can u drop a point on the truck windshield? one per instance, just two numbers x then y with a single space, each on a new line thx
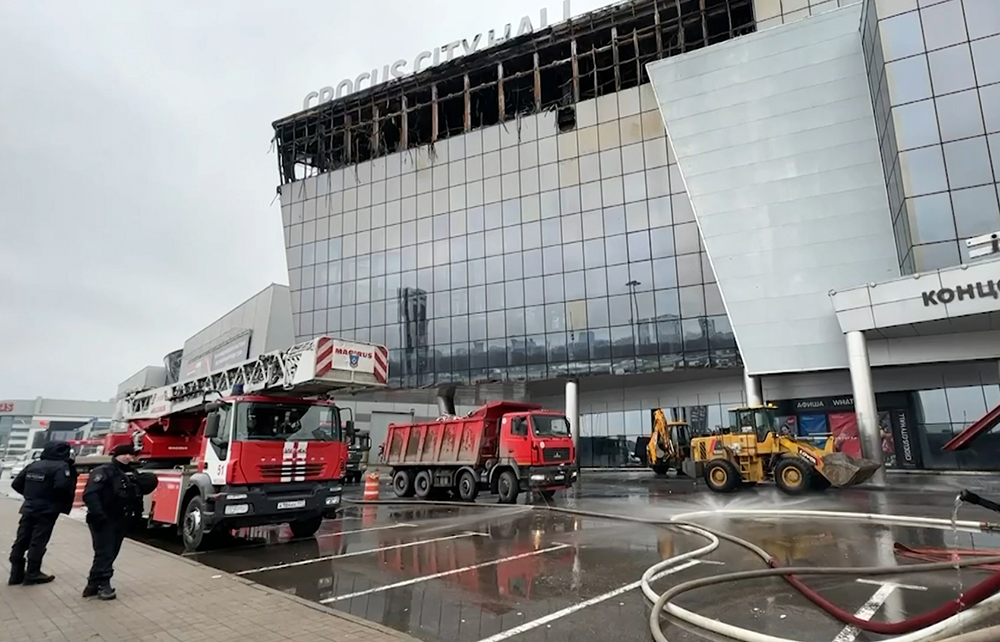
550 426
287 422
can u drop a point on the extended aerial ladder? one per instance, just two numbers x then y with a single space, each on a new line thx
314 367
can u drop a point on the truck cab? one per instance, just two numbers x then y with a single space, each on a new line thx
540 444
269 460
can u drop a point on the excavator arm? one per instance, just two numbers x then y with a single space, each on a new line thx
661 448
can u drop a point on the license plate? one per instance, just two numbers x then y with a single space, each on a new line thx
559 477
298 503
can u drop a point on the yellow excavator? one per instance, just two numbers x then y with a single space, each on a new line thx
755 449
670 446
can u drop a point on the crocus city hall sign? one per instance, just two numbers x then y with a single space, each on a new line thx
427 59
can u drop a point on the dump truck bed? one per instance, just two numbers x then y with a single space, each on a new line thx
450 441
453 441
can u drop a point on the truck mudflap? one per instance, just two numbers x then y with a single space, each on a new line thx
538 477
241 506
842 470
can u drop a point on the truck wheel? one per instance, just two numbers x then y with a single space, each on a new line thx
507 487
466 488
793 476
306 527
422 484
402 483
193 529
722 476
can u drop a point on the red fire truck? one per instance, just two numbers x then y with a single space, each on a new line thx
258 443
504 447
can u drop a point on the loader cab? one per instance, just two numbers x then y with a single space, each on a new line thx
760 421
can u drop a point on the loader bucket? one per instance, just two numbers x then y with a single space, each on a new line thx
843 470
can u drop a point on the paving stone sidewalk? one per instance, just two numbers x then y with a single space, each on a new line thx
161 597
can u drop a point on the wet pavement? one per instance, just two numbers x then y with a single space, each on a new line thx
469 574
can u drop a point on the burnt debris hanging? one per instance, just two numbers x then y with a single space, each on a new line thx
595 54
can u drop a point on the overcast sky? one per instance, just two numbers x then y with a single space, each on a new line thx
136 184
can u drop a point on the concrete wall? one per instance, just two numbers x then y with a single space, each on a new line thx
775 141
263 321
148 377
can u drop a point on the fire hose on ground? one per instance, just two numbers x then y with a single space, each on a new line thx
975 604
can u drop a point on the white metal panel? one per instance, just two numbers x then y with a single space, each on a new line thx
917 298
775 140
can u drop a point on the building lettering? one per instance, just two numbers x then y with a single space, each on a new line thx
904 437
347 351
444 53
982 289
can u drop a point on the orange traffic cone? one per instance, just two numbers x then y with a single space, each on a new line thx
371 487
81 484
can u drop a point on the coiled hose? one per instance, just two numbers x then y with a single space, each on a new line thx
975 604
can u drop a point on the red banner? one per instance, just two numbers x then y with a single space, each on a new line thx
844 427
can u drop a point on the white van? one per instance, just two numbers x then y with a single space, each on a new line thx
26 458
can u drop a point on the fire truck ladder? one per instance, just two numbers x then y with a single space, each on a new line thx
272 370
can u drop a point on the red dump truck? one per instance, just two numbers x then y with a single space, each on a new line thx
504 447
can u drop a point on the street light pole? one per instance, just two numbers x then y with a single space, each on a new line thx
633 309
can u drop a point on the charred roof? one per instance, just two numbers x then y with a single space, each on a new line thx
598 53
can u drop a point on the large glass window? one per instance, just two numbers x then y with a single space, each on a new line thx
465 273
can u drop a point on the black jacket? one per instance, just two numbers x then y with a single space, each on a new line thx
48 485
112 493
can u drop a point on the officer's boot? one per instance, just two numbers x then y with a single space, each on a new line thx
16 572
106 592
34 574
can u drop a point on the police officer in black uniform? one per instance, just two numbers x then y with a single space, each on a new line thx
113 497
48 486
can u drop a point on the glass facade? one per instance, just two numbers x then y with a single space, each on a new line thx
935 83
517 251
942 413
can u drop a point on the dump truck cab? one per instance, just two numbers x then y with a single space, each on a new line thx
755 449
536 439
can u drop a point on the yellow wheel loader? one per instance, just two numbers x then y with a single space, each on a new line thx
756 450
670 446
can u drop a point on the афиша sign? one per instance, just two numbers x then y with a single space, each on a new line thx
427 59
